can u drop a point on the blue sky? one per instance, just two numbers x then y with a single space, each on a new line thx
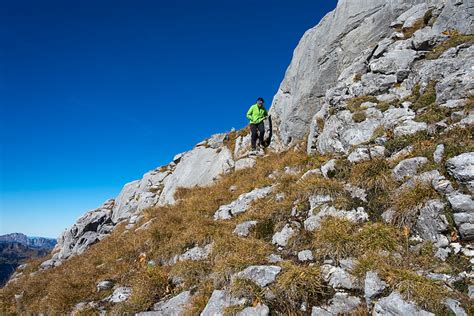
95 93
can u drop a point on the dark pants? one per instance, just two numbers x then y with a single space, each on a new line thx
258 131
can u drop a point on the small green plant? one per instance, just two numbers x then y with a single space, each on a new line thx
358 116
355 104
427 98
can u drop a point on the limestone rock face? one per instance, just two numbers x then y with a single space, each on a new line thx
322 55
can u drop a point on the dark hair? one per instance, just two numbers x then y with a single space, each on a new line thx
260 99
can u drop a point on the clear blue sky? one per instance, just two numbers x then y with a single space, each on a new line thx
95 93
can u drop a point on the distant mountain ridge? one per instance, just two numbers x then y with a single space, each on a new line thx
17 247
35 242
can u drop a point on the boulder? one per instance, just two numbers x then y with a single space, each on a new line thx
218 302
394 61
408 168
338 278
366 153
431 221
243 229
438 153
356 215
242 203
260 275
394 304
340 304
259 310
245 163
119 295
461 168
305 255
282 237
373 286
198 167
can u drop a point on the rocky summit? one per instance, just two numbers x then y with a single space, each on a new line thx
363 204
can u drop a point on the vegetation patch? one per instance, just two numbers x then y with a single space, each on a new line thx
455 39
358 116
298 284
409 200
355 104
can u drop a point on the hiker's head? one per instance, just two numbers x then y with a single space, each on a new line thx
260 102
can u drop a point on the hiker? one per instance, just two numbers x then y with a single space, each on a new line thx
256 114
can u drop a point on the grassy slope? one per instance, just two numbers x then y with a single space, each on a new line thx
123 256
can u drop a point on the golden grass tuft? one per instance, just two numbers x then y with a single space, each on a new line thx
297 284
335 239
358 116
409 200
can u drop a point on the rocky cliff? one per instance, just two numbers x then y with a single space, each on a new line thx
365 207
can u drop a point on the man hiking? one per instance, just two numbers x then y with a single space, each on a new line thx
256 114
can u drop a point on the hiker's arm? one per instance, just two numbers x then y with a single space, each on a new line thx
249 113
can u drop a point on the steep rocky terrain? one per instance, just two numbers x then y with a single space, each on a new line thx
363 206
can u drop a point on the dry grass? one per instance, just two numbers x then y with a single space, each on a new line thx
298 284
454 40
355 104
427 98
335 239
373 175
358 116
408 201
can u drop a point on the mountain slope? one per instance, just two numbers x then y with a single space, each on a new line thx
372 214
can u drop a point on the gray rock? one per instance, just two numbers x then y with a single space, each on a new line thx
305 255
455 307
382 47
282 237
394 304
431 221
410 16
426 38
461 202
438 153
365 153
243 229
104 285
259 310
327 167
322 54
198 167
408 167
338 278
355 192
394 61
119 295
409 128
341 303
356 215
454 104
245 163
217 140
260 275
196 253
462 169
373 286
273 258
174 306
242 203
466 231
456 15
470 291
218 302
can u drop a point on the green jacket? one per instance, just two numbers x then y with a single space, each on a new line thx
256 114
